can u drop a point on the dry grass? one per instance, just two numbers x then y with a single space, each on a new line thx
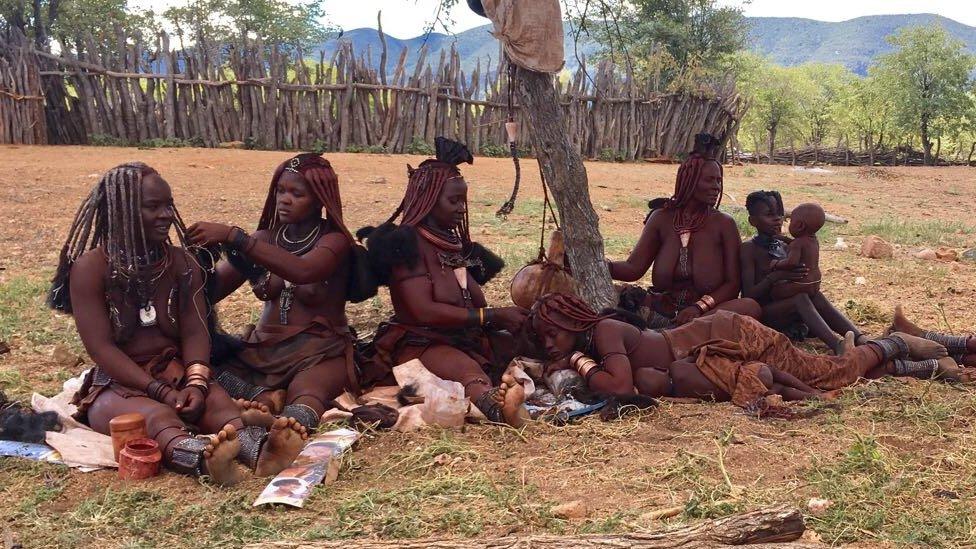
896 457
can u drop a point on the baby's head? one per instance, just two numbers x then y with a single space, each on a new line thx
765 212
806 220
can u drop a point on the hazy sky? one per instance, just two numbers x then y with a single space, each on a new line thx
407 18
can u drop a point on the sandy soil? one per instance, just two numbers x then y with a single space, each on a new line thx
622 470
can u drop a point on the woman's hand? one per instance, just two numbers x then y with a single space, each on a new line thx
204 233
793 275
556 365
189 403
507 318
687 315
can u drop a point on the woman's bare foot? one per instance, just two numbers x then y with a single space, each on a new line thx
921 349
274 400
511 396
219 457
286 439
901 324
255 413
950 371
845 345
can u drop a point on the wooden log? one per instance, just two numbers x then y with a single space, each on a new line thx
777 526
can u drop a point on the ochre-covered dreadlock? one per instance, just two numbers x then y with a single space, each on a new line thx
322 181
111 217
426 182
689 173
566 312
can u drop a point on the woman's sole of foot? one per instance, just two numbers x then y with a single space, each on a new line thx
219 457
255 413
511 396
286 438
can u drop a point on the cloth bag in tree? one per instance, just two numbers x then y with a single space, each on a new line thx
531 32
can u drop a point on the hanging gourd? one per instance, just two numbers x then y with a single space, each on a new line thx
547 274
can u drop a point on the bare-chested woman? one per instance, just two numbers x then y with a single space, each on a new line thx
299 266
434 272
693 247
724 356
140 310
824 321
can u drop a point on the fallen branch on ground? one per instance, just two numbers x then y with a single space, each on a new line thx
761 528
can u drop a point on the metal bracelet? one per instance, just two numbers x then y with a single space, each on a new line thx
303 414
921 369
252 440
237 387
489 406
187 456
956 345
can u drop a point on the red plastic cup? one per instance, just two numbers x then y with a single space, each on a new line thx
139 459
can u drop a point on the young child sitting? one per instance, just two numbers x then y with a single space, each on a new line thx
805 221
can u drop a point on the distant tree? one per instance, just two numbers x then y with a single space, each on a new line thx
662 37
69 20
294 24
866 112
928 81
776 95
821 109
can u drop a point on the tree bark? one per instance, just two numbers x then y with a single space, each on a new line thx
565 174
762 528
926 143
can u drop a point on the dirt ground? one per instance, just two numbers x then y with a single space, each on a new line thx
895 458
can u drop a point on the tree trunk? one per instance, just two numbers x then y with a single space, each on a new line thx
772 525
563 169
972 150
938 150
772 142
926 143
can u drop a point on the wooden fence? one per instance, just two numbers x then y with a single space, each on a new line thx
258 95
22 117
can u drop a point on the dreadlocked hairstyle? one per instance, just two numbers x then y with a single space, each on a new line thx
566 312
706 148
390 244
756 198
111 217
426 182
322 181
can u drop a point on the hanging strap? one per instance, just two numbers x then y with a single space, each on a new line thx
509 205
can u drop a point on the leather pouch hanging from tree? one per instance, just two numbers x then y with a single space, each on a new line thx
531 32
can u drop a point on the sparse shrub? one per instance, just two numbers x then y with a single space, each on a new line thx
419 146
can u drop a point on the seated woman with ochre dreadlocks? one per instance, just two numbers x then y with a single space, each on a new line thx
299 357
139 305
693 247
434 272
724 356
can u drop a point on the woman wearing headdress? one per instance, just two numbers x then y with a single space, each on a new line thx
140 310
435 273
299 356
723 356
693 247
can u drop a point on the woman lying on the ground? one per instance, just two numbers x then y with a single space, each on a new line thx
139 308
693 247
962 349
823 320
434 272
724 356
299 357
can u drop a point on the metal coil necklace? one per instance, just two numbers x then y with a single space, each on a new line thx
296 247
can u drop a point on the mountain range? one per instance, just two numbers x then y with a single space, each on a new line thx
787 41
